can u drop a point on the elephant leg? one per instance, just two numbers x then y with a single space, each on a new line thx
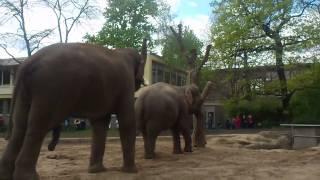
99 132
150 142
127 128
144 136
186 133
55 137
176 141
15 142
38 120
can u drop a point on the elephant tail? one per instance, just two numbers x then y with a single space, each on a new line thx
139 115
10 121
18 94
12 104
55 137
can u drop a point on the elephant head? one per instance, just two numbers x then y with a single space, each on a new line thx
139 61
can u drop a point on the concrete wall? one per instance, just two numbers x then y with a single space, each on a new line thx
305 142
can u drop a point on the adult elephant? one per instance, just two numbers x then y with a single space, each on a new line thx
162 106
64 79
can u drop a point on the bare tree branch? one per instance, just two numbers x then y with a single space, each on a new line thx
205 58
16 10
6 50
65 21
37 38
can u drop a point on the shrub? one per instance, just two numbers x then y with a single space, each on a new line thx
304 106
305 103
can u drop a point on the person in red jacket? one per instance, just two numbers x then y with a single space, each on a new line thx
238 122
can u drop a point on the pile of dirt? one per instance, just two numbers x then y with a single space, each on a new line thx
262 140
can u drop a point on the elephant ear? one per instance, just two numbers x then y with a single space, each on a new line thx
188 96
142 61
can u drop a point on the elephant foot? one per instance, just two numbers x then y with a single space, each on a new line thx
5 175
149 155
52 146
188 149
5 172
177 151
26 175
131 169
96 168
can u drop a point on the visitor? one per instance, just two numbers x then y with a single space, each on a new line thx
227 124
244 121
76 122
1 121
83 124
238 122
250 121
233 123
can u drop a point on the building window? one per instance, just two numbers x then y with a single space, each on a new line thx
179 80
5 106
157 72
173 78
160 75
167 77
4 77
183 80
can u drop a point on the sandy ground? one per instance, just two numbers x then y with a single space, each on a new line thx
233 156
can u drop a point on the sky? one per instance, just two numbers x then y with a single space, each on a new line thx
193 13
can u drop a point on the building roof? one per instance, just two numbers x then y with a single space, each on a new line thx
11 61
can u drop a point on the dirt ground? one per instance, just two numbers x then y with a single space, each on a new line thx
232 156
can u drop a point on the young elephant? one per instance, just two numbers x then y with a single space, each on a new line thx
162 106
64 79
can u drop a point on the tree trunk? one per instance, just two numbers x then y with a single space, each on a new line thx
198 135
281 74
23 28
247 89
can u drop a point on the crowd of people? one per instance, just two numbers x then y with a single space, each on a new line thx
243 121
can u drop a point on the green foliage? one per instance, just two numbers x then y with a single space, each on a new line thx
265 110
305 106
171 50
127 23
305 103
253 26
207 75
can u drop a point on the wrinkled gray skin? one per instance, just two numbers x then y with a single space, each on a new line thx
162 106
65 79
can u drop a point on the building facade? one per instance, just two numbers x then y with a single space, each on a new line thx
157 71
8 68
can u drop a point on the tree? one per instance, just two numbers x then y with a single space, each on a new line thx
171 52
258 26
127 23
70 13
15 10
